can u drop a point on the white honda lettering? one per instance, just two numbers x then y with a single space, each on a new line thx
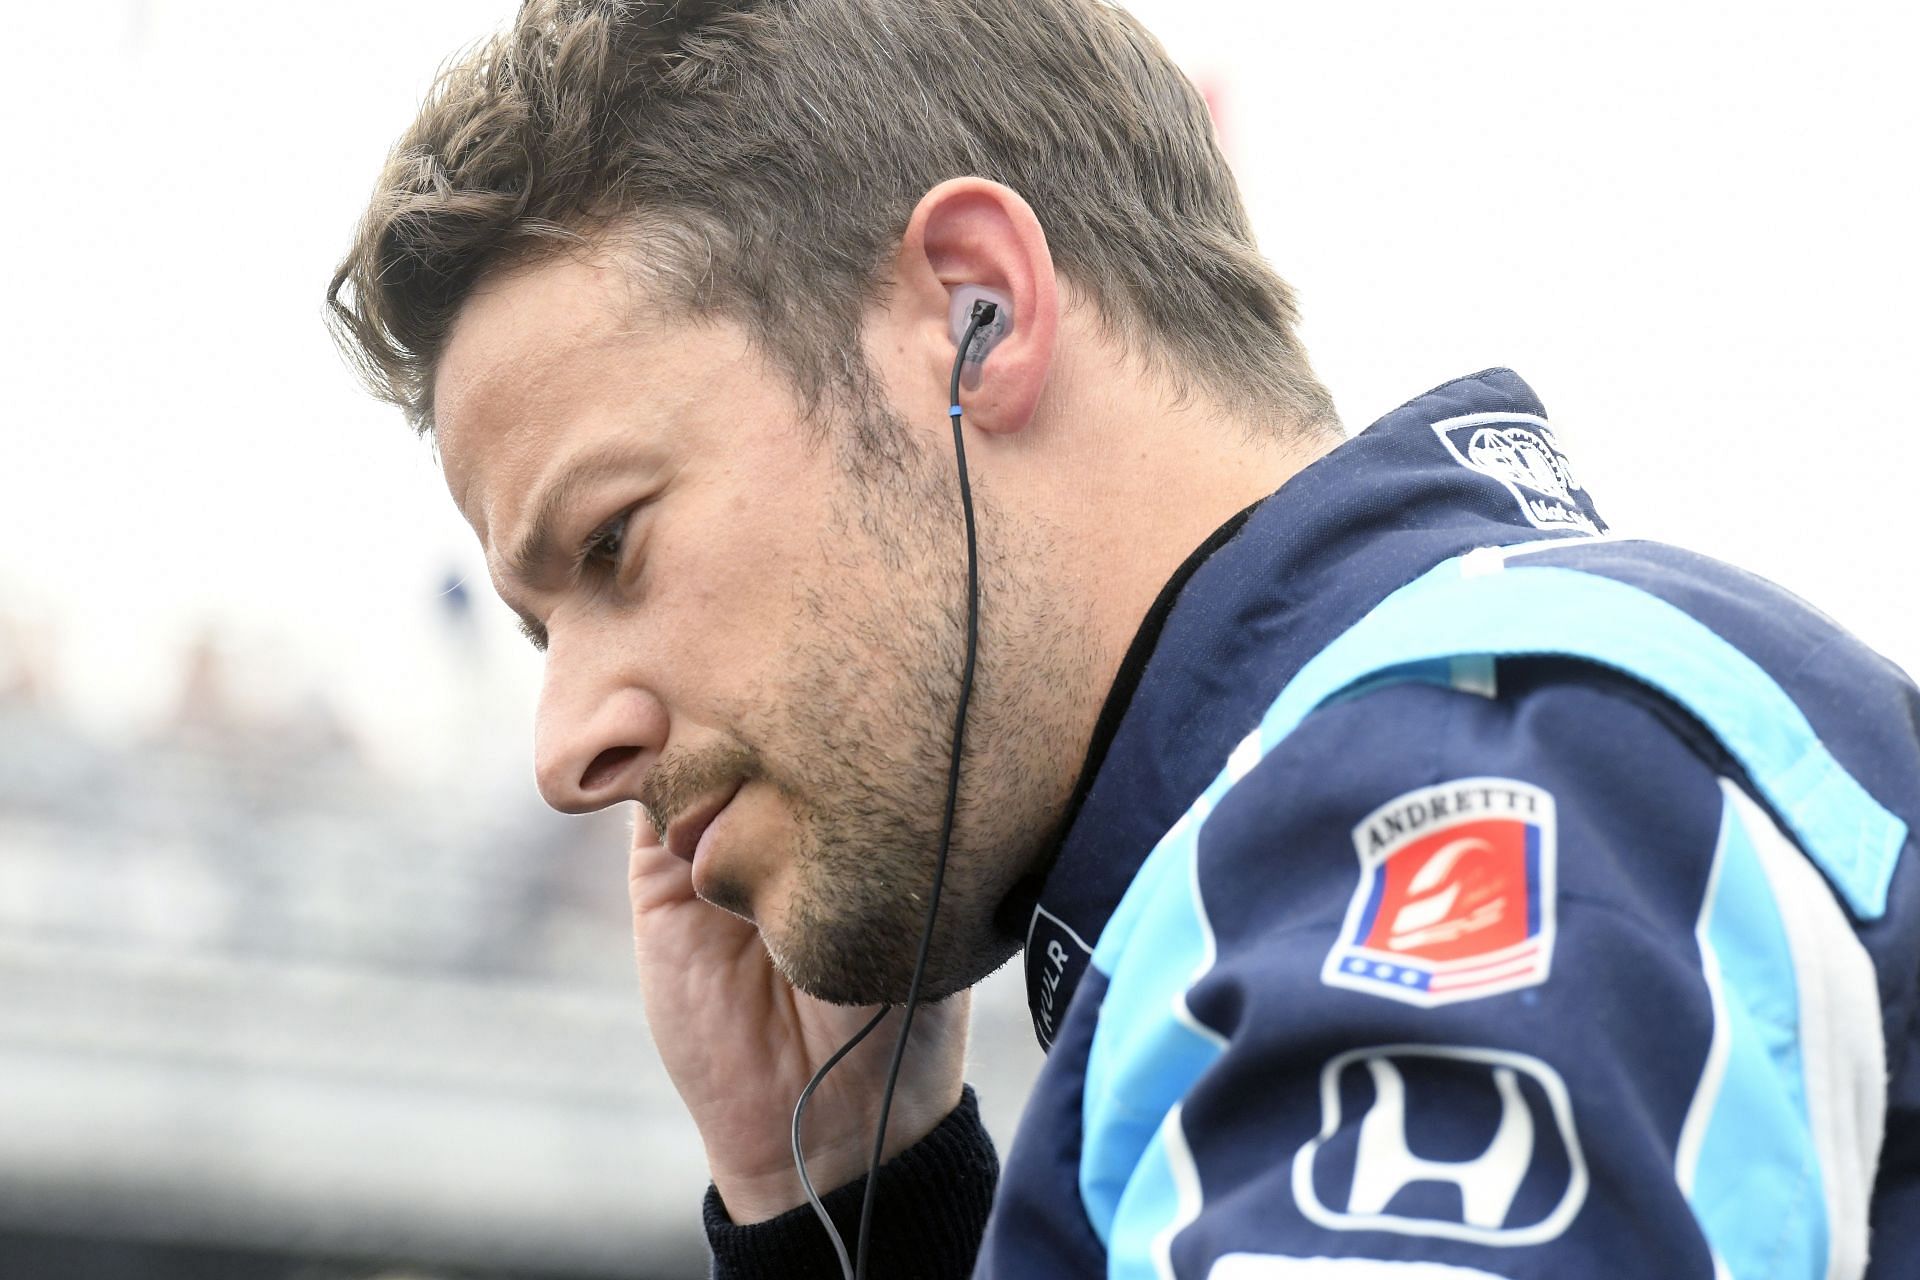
1488 1182
1533 1147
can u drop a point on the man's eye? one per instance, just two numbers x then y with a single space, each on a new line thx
603 546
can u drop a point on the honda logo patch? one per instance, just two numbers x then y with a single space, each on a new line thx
1436 1140
1455 899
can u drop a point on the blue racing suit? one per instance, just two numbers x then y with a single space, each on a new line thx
1455 890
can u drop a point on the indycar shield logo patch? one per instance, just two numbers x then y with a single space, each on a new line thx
1520 452
1456 895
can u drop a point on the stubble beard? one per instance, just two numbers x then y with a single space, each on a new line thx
870 717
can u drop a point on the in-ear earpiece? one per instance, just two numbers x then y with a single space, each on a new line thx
960 315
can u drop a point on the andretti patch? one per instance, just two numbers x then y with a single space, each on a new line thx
1455 899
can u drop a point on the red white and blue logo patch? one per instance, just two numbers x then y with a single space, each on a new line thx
1456 895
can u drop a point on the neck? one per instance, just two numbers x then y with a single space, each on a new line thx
1137 478
1113 492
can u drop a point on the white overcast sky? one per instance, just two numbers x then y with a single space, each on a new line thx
1690 226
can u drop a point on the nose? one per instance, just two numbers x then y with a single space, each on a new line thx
595 735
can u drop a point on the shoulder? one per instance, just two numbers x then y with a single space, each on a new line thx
1421 892
1618 790
1528 917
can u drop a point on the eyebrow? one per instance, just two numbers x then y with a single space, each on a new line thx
524 560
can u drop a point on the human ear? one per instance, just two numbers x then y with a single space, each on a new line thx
970 240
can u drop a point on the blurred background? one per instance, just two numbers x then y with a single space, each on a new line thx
298 979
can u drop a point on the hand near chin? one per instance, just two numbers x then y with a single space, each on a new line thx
740 1043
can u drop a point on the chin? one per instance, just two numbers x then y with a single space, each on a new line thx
849 961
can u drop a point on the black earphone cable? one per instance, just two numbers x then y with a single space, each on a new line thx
799 1155
983 314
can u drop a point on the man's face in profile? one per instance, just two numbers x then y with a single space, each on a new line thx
736 627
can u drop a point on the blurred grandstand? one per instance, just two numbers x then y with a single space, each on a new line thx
272 1012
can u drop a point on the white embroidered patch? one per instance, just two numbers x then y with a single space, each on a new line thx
1520 452
1525 1185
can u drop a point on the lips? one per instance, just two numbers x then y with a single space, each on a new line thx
683 834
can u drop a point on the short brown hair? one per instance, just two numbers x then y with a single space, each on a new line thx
764 156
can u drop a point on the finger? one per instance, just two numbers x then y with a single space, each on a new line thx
672 926
642 827
655 878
